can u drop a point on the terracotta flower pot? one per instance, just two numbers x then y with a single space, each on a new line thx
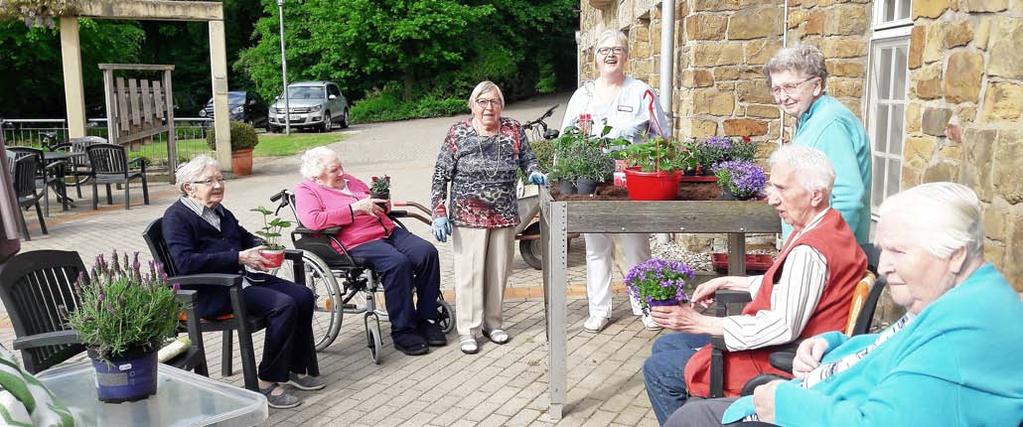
241 162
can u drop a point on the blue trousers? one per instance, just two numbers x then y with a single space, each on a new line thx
662 372
405 262
288 309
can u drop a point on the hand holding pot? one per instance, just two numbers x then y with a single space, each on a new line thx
252 258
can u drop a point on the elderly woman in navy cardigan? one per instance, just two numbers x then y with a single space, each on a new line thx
204 237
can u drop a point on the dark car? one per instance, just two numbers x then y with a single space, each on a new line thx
243 106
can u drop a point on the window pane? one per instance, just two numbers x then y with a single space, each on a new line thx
895 136
899 74
877 181
903 9
889 10
894 176
881 129
884 73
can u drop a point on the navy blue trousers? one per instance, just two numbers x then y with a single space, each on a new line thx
405 262
288 309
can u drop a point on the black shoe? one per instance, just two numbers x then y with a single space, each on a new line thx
433 333
410 343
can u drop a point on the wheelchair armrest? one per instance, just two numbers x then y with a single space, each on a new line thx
757 381
782 360
210 279
67 336
732 297
309 231
293 255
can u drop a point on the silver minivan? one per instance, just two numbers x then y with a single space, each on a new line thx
318 105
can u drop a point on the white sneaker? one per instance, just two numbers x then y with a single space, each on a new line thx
595 324
650 325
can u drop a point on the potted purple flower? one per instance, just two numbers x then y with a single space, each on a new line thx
659 282
740 179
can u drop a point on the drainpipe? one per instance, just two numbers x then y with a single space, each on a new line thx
667 58
784 44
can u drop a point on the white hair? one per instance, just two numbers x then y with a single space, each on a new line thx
483 87
192 170
953 217
314 160
811 166
802 58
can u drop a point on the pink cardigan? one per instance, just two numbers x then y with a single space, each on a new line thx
319 207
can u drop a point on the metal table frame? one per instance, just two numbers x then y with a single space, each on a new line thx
558 218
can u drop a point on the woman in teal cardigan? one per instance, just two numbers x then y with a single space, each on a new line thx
797 78
953 359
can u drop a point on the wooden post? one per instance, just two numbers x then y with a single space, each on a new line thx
74 92
111 104
172 143
221 117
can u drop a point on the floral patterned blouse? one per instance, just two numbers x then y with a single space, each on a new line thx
481 172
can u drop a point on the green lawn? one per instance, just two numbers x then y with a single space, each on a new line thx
286 145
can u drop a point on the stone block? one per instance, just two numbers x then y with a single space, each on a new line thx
848 19
714 54
706 26
763 111
965 70
934 120
941 171
996 217
845 67
640 50
843 47
754 23
913 117
1003 101
1008 161
983 32
929 8
697 78
934 45
979 145
917 39
966 113
745 127
754 92
815 23
714 102
758 52
717 5
981 5
796 18
726 73
958 34
919 147
1006 40
698 128
846 88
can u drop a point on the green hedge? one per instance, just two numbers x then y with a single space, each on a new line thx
242 136
387 105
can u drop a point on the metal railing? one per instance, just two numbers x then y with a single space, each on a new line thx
190 135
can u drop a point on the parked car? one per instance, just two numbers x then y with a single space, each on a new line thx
243 106
318 105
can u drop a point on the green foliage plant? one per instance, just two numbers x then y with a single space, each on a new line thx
656 154
271 231
242 136
576 155
124 310
380 187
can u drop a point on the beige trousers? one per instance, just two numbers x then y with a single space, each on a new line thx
482 262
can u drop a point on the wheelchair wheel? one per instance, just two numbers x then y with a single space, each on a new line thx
445 315
373 336
532 250
327 313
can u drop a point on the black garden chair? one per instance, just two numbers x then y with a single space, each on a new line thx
23 171
110 165
78 167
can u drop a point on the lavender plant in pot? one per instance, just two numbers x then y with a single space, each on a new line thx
659 282
740 179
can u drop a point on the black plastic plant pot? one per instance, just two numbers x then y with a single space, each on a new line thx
585 185
566 187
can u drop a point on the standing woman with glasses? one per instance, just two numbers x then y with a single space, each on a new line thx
633 111
204 237
797 78
479 159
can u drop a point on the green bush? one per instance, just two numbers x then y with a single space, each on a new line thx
242 136
387 105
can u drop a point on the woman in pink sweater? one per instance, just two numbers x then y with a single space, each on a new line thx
328 197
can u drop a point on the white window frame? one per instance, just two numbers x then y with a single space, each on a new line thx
885 34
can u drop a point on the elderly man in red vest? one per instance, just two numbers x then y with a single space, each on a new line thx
806 291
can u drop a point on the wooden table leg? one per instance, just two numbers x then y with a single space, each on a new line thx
736 254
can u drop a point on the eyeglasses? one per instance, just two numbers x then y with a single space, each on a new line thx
607 50
211 181
789 88
483 103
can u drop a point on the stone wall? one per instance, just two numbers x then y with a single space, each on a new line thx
963 120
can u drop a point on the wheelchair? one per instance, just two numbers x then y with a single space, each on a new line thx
343 284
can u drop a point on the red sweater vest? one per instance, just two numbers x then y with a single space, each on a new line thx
846 266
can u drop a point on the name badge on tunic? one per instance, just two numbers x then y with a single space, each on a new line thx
625 108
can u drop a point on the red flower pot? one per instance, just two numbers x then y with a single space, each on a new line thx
273 257
661 185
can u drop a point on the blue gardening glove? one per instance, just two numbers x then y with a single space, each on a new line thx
441 229
538 178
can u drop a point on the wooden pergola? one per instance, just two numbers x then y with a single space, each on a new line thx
148 10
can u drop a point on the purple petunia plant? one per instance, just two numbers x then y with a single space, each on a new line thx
658 280
743 178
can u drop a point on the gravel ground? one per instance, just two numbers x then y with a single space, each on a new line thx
699 261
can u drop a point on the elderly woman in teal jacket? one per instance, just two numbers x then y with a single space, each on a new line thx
953 359
797 78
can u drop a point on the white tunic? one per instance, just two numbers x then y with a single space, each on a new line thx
634 112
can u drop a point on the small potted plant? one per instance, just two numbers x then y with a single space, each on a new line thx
659 282
595 167
271 234
740 179
717 149
243 140
653 169
380 188
123 318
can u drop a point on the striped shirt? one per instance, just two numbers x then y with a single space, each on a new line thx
793 300
211 216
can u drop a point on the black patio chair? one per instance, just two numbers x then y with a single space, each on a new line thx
23 171
48 175
78 167
238 319
110 165
37 288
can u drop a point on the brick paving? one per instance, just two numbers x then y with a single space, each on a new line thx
501 385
